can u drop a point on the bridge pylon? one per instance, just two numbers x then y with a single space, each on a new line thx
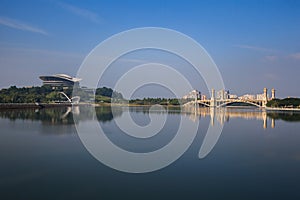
273 94
265 98
213 99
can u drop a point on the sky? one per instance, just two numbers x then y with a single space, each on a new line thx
255 44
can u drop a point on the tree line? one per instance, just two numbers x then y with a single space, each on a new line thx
153 101
287 102
46 94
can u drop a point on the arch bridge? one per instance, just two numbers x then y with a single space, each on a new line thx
228 102
223 102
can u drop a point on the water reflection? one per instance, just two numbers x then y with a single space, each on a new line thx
252 165
59 116
223 115
48 116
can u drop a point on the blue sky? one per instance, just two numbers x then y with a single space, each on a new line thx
255 44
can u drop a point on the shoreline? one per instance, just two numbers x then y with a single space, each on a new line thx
67 104
282 109
4 106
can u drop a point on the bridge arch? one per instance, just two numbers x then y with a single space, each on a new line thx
198 102
246 102
202 103
65 95
73 100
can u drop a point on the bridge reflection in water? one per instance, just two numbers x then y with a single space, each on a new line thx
59 116
222 115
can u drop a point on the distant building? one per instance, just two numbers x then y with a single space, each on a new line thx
232 96
260 96
60 80
222 94
248 97
192 95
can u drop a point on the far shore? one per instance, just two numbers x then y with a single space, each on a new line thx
33 105
67 104
282 109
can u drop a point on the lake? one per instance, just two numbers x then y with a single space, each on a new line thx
256 156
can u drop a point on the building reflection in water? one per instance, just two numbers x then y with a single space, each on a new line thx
64 115
223 115
59 120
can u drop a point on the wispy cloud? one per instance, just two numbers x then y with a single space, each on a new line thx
12 23
254 48
271 58
295 56
92 16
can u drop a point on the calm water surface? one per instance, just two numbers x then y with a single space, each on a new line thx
256 157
